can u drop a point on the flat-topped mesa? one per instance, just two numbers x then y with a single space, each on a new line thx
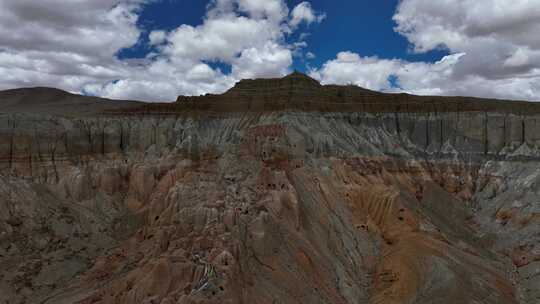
290 86
300 92
295 87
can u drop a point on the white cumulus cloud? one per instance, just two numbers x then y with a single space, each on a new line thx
74 45
303 12
494 51
493 46
64 44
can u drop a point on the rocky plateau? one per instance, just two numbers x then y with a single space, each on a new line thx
277 191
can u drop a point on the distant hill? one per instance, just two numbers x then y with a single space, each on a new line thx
54 101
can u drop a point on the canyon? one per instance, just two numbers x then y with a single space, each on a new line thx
277 191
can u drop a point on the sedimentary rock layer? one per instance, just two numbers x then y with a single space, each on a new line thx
270 207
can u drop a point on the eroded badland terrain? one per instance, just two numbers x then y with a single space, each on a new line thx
278 191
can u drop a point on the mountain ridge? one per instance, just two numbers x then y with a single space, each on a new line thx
295 91
298 91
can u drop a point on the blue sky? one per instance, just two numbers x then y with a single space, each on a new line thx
368 31
155 50
364 29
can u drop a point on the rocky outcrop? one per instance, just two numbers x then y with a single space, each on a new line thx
270 207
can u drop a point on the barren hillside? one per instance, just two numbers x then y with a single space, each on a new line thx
278 191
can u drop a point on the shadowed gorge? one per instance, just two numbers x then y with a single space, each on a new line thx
277 191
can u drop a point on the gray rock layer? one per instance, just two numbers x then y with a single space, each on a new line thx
283 207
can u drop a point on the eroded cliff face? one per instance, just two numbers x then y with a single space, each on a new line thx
285 207
288 206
